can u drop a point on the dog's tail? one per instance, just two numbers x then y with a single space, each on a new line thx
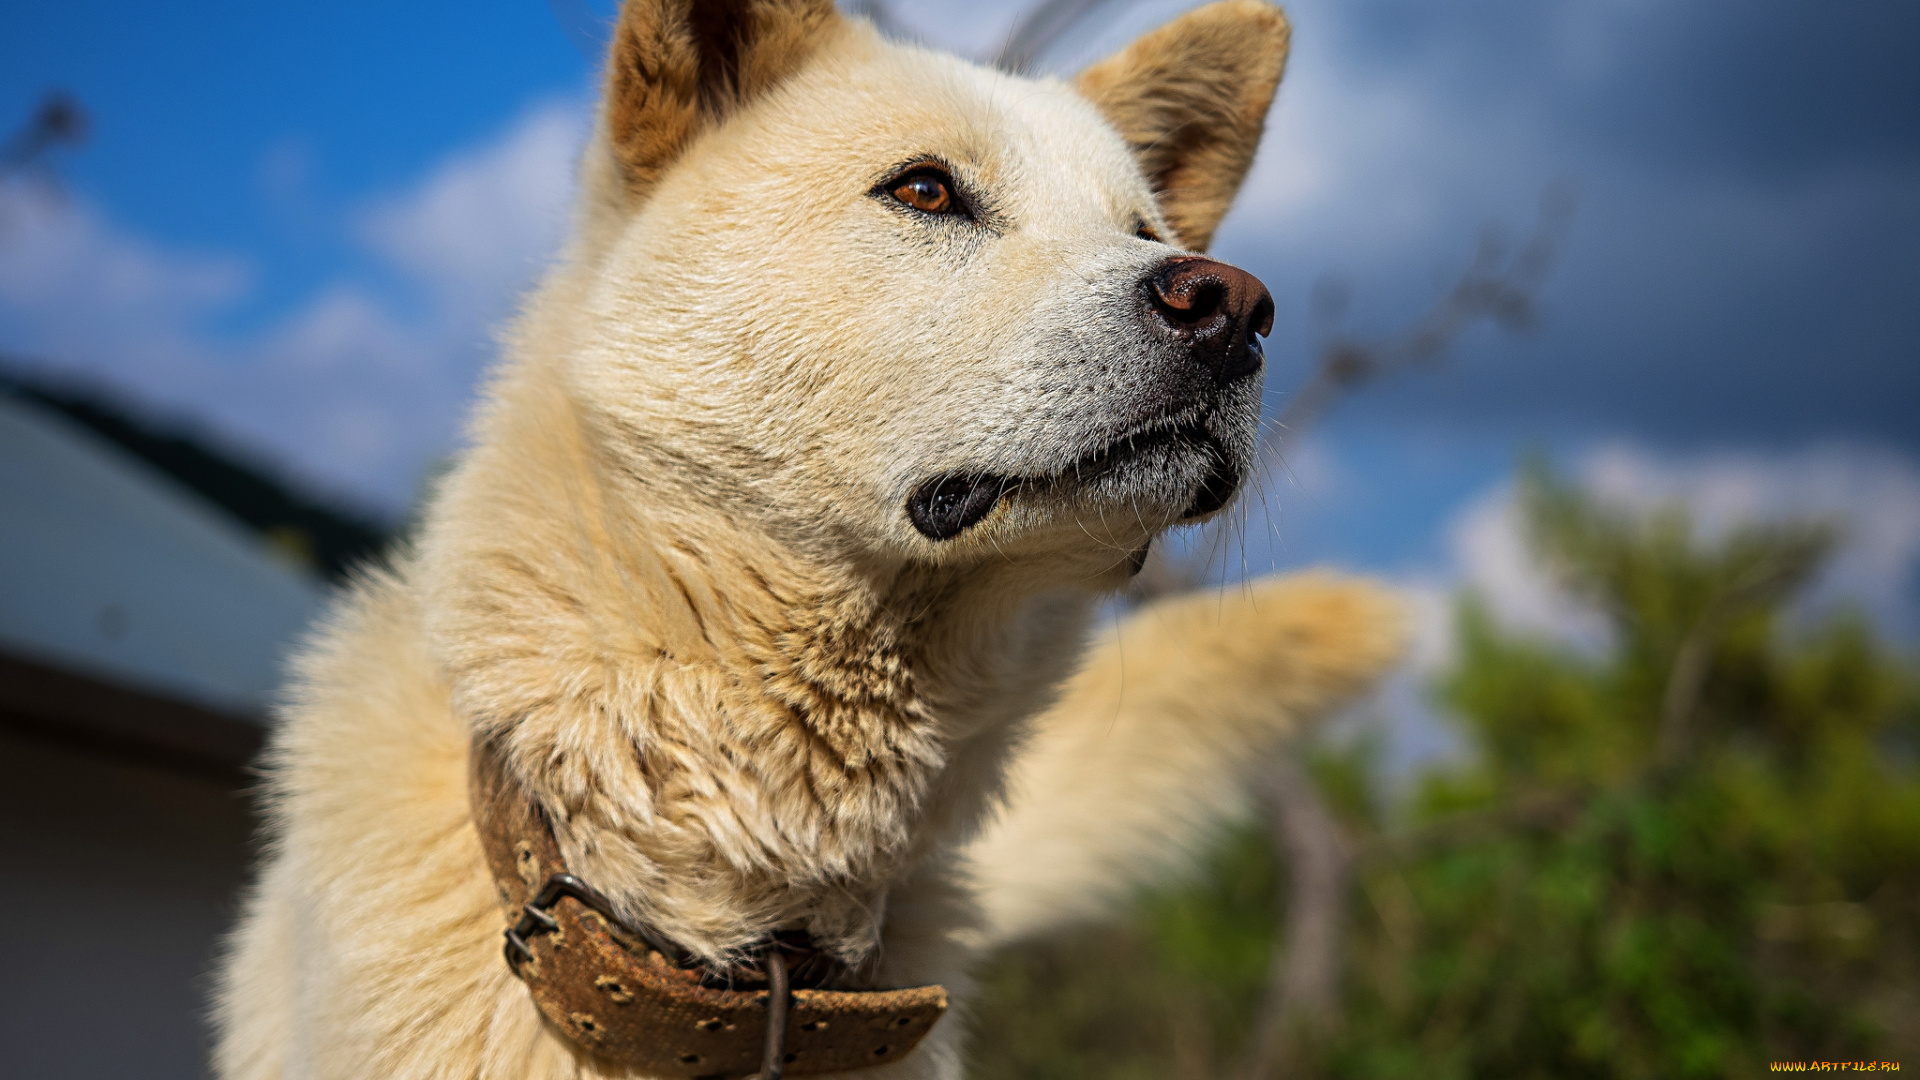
1150 744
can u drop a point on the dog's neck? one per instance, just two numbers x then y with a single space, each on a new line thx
730 736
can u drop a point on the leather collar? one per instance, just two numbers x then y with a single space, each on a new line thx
628 996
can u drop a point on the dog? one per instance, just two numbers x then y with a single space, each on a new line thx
761 610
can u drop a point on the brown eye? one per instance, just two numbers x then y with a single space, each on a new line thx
925 191
1145 232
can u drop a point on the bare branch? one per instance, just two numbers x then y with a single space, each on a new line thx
1760 582
1531 812
59 121
1302 998
1499 284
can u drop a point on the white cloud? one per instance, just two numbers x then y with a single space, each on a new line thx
68 276
1874 494
478 227
356 388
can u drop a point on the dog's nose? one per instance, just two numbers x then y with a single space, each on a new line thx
1217 312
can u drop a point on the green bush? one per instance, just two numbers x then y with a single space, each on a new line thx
1687 853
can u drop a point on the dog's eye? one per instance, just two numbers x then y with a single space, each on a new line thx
926 190
1145 232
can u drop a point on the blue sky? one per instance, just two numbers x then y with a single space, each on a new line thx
298 225
217 123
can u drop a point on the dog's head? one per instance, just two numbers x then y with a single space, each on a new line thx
873 296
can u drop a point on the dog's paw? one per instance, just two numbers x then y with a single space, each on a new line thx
1299 645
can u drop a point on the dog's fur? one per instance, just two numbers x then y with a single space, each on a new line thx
675 580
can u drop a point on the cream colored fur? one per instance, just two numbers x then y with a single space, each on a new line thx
674 577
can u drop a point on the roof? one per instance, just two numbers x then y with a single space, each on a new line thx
325 531
113 570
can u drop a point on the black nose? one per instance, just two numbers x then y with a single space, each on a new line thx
1216 312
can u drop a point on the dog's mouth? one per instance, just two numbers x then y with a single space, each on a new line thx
949 504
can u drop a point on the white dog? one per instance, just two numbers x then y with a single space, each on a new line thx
738 667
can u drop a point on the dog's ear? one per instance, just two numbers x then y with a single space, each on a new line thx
1191 100
676 66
